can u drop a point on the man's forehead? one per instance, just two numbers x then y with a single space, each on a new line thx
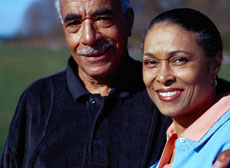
85 7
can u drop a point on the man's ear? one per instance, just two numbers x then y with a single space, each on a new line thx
215 64
129 15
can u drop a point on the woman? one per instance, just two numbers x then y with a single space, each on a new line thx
182 54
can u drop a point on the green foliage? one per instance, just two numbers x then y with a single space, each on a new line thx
227 45
225 72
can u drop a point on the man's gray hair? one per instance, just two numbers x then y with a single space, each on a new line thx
124 3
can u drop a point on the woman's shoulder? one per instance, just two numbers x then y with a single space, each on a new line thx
223 86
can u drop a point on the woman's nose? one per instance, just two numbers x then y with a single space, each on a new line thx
165 75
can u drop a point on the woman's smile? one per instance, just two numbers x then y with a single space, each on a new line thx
169 94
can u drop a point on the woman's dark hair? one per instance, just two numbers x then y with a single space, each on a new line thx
205 30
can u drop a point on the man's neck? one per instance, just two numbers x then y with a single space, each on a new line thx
96 86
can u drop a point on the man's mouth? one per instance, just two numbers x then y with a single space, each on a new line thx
96 51
99 52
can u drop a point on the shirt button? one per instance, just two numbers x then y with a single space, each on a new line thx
182 140
97 142
92 101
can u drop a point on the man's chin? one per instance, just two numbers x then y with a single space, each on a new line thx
96 73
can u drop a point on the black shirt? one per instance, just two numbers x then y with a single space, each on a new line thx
58 123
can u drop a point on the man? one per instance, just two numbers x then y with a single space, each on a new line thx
95 113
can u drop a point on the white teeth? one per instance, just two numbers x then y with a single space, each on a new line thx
167 94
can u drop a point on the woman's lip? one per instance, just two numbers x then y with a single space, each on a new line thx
169 94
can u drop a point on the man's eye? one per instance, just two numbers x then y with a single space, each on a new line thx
73 26
104 21
102 18
74 23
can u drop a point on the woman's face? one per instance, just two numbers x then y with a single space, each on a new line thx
176 71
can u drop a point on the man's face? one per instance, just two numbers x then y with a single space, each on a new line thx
96 32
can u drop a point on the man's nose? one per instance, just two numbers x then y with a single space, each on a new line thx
165 75
88 33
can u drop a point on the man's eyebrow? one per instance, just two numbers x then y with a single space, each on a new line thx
70 17
103 11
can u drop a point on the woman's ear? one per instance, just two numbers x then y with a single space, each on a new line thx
215 64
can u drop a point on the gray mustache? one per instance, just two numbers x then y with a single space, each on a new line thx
95 49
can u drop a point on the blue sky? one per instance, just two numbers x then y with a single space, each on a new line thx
11 15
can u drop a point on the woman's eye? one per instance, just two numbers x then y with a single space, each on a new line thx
179 61
151 63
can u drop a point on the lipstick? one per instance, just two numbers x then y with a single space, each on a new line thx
169 94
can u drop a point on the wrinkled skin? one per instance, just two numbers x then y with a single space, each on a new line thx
92 24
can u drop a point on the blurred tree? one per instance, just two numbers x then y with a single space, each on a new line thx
218 11
41 19
144 11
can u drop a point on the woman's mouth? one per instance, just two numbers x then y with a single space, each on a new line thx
168 95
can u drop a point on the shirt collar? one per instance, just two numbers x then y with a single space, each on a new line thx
204 123
74 83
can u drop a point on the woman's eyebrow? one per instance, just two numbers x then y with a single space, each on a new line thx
148 54
179 51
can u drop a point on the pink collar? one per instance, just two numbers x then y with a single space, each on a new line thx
203 124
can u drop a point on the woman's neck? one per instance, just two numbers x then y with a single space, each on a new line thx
186 119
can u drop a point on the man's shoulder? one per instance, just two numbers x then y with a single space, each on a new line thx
49 81
32 112
39 94
134 62
57 76
43 87
129 78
